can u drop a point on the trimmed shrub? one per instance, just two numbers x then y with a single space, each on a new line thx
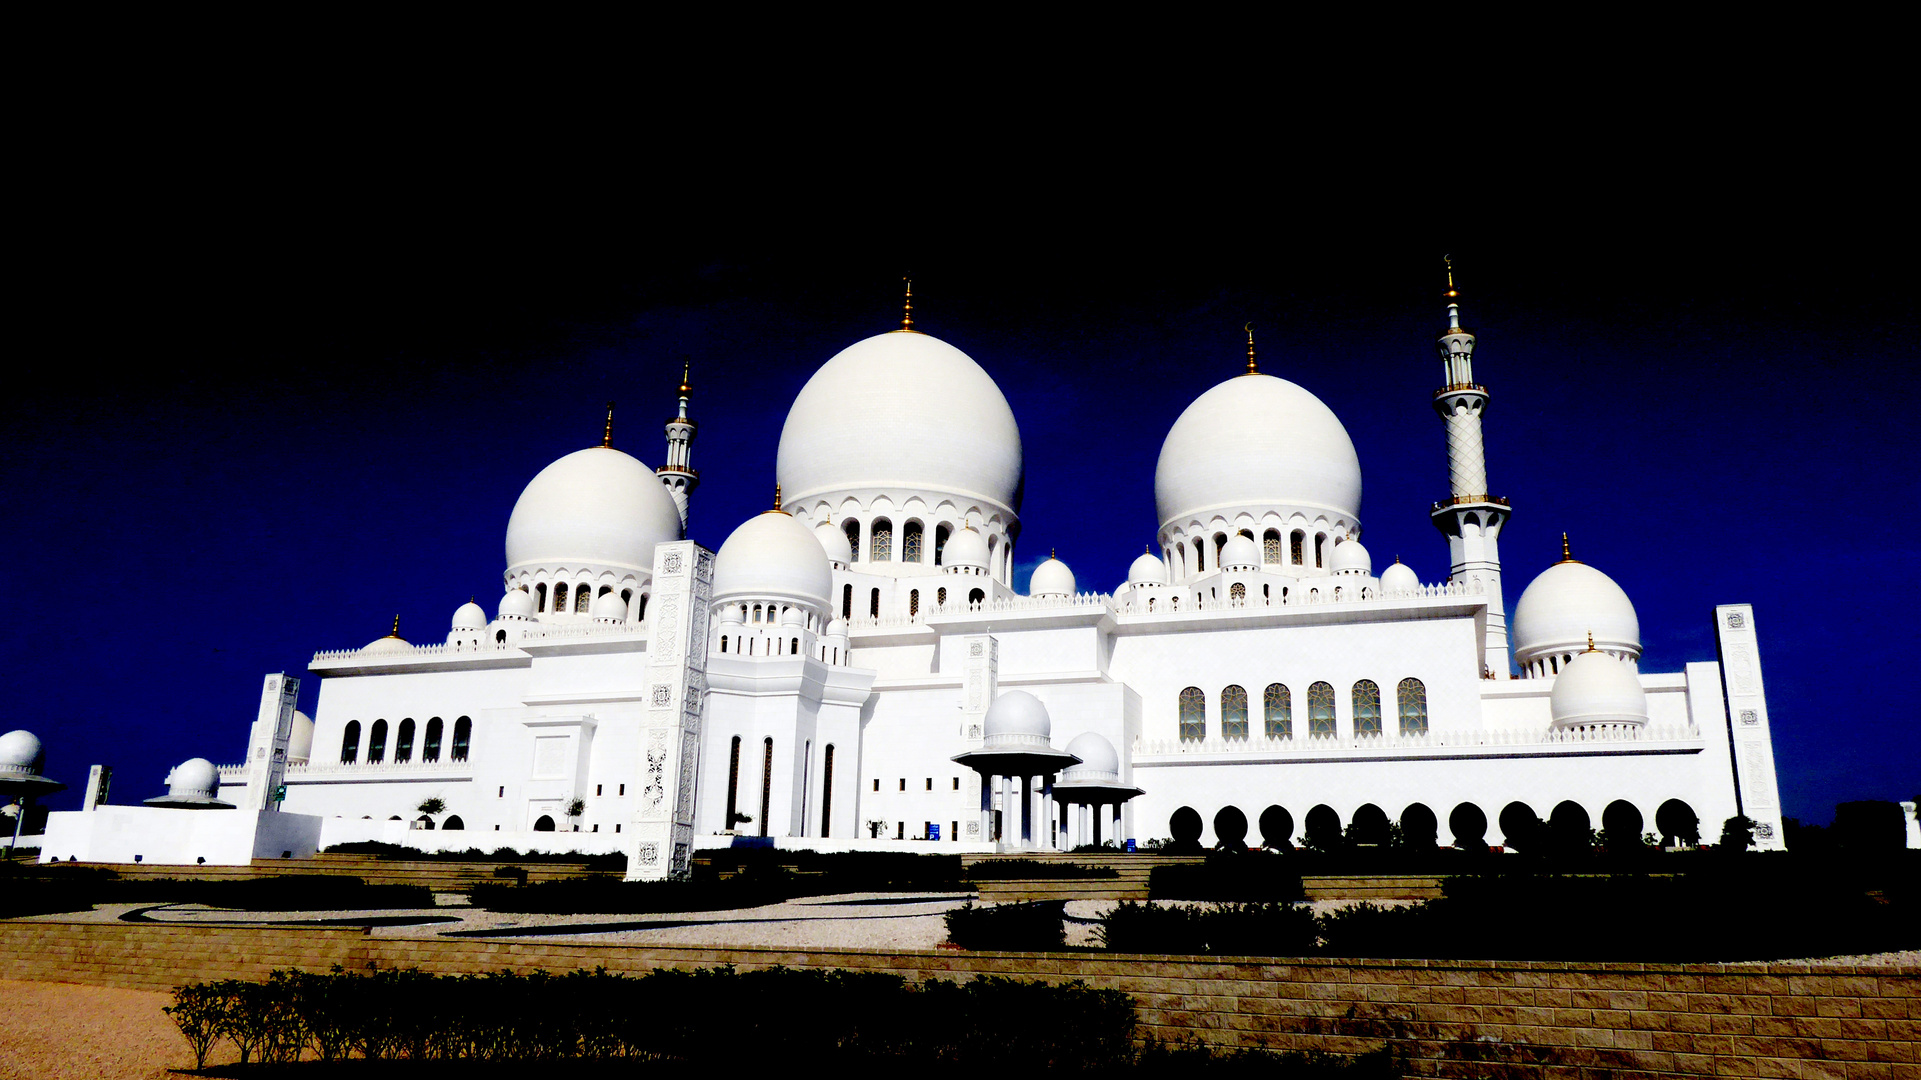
1247 878
1217 929
605 896
1032 927
1032 870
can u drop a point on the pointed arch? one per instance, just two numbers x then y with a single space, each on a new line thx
1411 698
1320 709
1367 707
350 743
1193 714
1234 713
1278 711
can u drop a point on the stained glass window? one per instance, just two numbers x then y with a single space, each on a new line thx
910 542
880 547
1413 702
1320 709
1367 708
1234 713
1279 707
1271 547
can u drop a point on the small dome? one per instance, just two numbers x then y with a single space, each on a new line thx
391 645
300 740
731 613
1098 759
19 752
834 544
928 419
1351 558
1595 688
793 616
772 554
1051 578
1240 552
193 778
597 506
965 548
470 616
1566 603
1256 442
1147 570
836 628
1399 578
1016 716
609 607
517 604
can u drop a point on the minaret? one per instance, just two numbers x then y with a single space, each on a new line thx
1470 517
678 473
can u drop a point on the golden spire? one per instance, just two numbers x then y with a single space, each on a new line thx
1590 642
395 632
777 509
907 311
1566 555
1251 368
1452 293
1052 554
607 434
1452 296
686 367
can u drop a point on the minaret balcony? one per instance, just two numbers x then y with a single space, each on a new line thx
1467 500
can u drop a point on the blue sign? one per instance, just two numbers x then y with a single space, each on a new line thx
933 830
1130 845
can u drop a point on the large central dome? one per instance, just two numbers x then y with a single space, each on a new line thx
1256 442
902 411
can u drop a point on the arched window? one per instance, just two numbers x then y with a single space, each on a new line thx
1279 709
1193 715
544 823
975 597
723 643
500 637
940 547
940 598
1271 546
827 791
1234 713
910 542
583 599
766 784
873 604
404 741
1295 541
733 785
1150 604
540 597
454 823
560 598
880 541
1320 709
430 750
1200 555
350 743
1367 708
1320 549
641 615
463 732
913 602
1412 698
377 743
793 646
1237 594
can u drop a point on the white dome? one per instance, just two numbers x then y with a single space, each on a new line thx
608 606
901 411
1595 688
470 616
1350 557
1399 578
836 628
1016 716
1147 570
1566 603
1098 759
193 778
772 554
1256 442
391 645
965 548
19 751
517 604
1240 551
300 740
1051 578
595 506
835 545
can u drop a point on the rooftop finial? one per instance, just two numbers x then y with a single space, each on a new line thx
395 632
1453 297
907 310
1566 555
1251 369
686 369
777 508
1590 642
607 433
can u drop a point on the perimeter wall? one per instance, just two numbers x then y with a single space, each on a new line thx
1445 1018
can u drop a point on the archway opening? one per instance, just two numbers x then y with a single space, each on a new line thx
1678 824
1621 825
1370 827
1420 829
1185 826
544 824
1277 829
1323 829
1570 830
1230 829
1520 827
1468 823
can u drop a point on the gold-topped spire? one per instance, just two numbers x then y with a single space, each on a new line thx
1566 555
1452 293
777 509
395 632
1252 369
1453 297
1590 642
607 433
907 309
686 368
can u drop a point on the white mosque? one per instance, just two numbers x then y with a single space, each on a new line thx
853 667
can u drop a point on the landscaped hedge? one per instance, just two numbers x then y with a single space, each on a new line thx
604 861
818 873
1033 927
43 891
1245 878
606 896
1221 929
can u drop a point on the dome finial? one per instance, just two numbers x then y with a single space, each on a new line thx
1453 297
395 632
1251 368
1566 555
686 369
777 508
1590 642
607 433
907 309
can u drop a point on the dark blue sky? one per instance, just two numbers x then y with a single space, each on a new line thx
277 383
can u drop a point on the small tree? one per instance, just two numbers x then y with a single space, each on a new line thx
432 807
1737 834
574 810
199 1011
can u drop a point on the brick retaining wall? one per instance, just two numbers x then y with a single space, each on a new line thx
1466 1019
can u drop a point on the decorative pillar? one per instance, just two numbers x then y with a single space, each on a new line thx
660 836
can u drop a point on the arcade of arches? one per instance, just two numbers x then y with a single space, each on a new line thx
1467 826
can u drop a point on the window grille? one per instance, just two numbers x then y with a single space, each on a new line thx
1367 708
1412 698
1193 715
1234 713
1320 709
1279 709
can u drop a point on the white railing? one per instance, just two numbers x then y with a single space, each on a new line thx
1385 742
1317 596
